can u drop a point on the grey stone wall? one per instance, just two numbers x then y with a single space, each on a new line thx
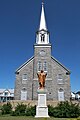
58 69
28 69
53 69
42 58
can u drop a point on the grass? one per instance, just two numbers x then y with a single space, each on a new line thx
32 118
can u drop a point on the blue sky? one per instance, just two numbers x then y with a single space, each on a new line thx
19 21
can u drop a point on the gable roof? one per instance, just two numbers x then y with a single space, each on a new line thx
23 65
61 64
9 90
78 92
28 61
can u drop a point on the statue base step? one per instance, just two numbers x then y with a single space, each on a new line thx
41 112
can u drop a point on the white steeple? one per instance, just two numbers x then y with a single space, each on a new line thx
42 19
42 35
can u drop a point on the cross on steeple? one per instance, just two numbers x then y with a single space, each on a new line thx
43 1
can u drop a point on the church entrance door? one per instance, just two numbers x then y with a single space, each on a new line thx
61 95
23 95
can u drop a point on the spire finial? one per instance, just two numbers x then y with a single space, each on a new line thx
42 2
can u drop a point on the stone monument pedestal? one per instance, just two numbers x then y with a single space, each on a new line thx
41 108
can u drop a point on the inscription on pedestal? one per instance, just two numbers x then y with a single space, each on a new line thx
42 100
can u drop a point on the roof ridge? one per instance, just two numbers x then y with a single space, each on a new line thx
24 64
61 64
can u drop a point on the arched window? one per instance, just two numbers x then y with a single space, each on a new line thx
39 66
42 37
23 89
61 90
45 66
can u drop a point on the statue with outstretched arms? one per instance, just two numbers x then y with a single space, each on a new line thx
41 79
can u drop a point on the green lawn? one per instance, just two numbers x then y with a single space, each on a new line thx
32 118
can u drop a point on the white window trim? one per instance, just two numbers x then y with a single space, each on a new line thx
60 80
24 79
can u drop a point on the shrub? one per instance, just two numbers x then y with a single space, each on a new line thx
6 108
0 109
50 110
22 109
65 110
19 110
62 110
74 110
31 111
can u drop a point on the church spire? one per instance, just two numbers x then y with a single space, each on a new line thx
42 19
42 35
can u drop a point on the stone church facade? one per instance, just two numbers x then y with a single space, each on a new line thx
58 76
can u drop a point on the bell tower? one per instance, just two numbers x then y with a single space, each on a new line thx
42 47
42 35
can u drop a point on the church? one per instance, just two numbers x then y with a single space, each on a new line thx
58 76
